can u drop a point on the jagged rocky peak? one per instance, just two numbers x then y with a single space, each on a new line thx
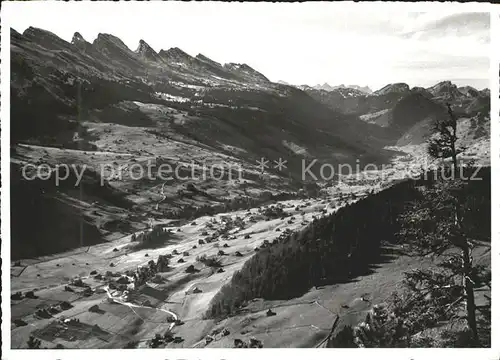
485 92
445 88
106 40
175 54
203 58
14 34
36 32
469 91
421 90
44 38
33 33
77 38
244 69
364 89
326 87
393 88
147 51
79 41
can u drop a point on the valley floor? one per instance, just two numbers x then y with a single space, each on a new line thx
301 322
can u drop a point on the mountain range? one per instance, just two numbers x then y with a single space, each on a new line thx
100 97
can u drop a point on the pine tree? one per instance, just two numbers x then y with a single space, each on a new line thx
435 223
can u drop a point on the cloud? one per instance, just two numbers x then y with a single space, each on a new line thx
427 26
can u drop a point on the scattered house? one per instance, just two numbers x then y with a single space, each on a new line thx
112 265
43 313
17 296
53 310
238 343
225 245
181 260
270 313
221 253
123 280
115 250
87 292
196 290
146 255
225 332
237 253
185 253
221 270
200 242
191 269
20 322
208 339
157 279
93 272
254 343
77 282
30 295
247 236
194 246
168 337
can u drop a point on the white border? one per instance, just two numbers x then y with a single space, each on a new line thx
495 171
10 9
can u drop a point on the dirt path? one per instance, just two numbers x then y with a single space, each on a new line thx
132 306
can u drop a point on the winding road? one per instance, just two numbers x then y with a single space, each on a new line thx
132 306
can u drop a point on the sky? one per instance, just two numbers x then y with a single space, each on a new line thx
300 43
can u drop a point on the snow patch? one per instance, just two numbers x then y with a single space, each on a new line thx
169 97
299 150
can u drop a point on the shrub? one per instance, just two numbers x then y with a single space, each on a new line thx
17 296
30 295
210 262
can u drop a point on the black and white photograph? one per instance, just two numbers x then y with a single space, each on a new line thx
195 175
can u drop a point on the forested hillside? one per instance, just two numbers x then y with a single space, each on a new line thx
338 247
